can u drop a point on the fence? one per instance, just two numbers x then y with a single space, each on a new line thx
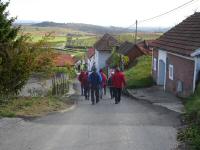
60 84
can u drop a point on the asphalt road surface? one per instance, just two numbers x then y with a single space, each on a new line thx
130 125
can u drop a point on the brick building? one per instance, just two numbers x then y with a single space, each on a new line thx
176 57
133 51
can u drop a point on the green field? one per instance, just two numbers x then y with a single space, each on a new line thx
80 38
78 53
140 36
58 31
59 35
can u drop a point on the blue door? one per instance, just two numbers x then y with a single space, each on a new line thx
161 75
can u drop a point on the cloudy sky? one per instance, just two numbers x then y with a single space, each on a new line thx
103 12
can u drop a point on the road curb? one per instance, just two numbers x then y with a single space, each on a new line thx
127 93
68 109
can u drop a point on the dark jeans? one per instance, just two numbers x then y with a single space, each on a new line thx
117 93
102 90
82 89
87 92
111 92
94 93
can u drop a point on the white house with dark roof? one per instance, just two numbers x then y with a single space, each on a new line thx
103 49
176 57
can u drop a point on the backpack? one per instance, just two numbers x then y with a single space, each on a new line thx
94 79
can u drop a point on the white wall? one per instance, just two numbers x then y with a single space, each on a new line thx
162 55
90 62
196 71
101 57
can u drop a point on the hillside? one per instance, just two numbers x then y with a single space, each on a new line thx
95 29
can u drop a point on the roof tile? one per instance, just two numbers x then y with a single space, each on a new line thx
183 39
107 42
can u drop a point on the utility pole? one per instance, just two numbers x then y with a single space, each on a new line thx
136 23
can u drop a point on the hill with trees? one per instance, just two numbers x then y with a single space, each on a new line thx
85 27
96 29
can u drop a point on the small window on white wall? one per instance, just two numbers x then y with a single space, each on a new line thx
154 64
171 72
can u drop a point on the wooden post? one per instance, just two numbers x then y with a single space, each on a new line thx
136 23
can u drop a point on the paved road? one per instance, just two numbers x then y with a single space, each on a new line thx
131 125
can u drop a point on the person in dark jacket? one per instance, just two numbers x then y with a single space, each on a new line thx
95 82
118 83
110 85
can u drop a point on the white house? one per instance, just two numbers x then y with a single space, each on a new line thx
103 49
90 58
176 57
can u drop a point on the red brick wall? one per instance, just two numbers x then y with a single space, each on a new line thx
154 73
183 71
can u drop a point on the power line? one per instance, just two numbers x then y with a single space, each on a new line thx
167 12
160 15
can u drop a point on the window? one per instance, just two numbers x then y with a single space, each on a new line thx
171 72
154 64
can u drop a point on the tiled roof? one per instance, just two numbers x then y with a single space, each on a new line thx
144 46
61 60
107 42
183 39
125 47
90 52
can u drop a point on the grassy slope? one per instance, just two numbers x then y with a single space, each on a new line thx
191 134
31 106
140 75
193 102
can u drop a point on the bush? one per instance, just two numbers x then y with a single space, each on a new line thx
191 134
140 75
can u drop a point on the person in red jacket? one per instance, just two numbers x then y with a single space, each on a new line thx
119 82
86 85
80 78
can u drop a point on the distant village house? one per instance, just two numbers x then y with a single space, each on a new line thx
103 49
61 60
133 51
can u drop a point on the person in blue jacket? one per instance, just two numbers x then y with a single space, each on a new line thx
95 82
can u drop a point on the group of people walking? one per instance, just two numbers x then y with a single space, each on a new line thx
94 84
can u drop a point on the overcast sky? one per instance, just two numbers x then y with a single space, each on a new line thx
103 12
